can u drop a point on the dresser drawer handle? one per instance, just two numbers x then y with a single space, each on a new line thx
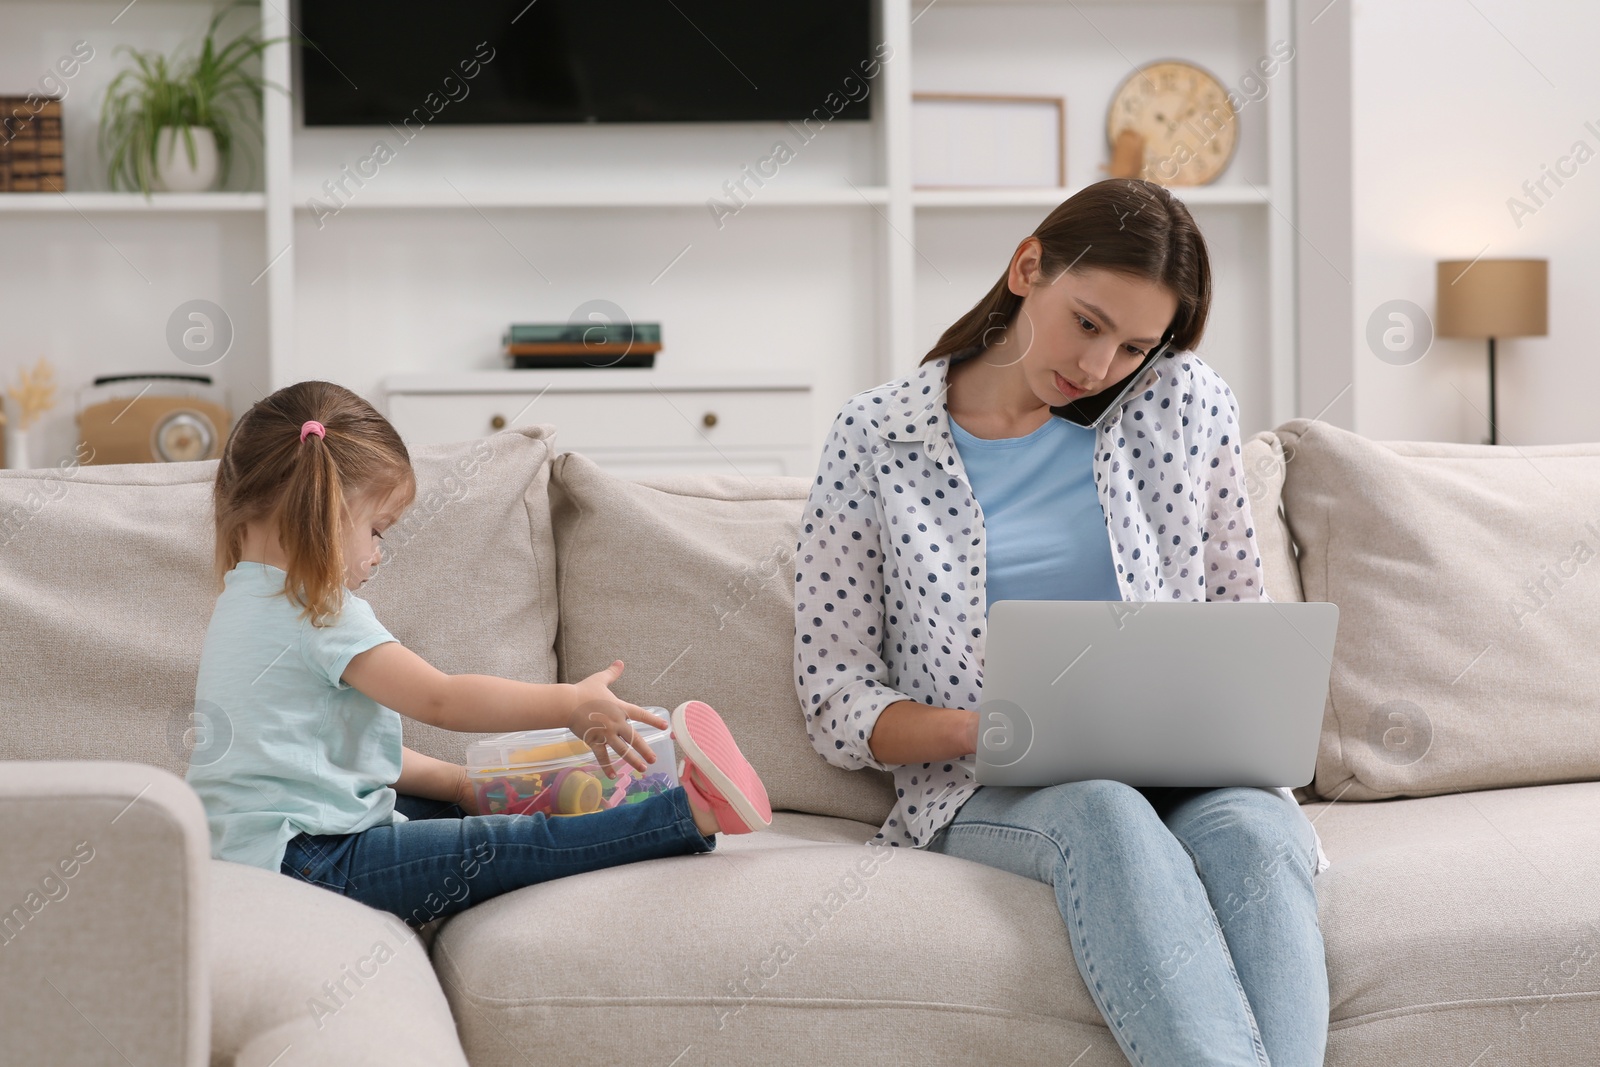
709 419
498 422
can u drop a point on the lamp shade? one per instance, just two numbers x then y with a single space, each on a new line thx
1492 298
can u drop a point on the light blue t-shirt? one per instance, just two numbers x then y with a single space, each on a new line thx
283 745
1044 530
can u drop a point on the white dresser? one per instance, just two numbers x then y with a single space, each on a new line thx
634 422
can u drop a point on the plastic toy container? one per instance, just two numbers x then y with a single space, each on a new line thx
555 772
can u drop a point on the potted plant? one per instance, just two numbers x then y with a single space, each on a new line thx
203 104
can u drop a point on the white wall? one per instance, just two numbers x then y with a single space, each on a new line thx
1454 106
1325 297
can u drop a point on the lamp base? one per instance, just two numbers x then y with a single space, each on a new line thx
1494 433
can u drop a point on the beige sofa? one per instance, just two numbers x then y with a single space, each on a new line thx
1460 924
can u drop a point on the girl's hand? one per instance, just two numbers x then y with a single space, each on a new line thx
602 720
466 796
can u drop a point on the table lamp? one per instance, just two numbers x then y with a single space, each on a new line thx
1492 298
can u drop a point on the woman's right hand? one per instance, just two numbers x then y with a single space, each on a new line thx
911 732
601 720
969 736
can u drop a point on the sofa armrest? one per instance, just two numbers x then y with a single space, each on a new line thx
103 915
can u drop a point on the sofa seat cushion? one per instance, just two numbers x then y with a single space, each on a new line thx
1463 928
303 976
775 948
1442 939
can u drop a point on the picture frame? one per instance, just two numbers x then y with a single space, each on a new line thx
988 141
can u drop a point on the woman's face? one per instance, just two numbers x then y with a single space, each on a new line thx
1082 331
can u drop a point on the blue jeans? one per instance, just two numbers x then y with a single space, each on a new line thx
443 860
1190 911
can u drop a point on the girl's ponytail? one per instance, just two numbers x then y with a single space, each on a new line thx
311 528
303 484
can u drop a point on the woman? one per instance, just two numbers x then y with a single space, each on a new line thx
1191 911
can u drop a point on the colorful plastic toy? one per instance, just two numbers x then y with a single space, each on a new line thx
569 791
497 797
619 789
577 793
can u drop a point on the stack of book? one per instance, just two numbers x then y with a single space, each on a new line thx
574 344
30 145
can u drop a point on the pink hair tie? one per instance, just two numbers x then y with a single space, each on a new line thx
313 426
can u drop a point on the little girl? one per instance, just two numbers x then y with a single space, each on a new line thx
308 688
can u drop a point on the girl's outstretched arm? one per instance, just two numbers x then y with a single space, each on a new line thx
403 681
424 776
398 678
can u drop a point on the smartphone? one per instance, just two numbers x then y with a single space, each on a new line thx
1093 411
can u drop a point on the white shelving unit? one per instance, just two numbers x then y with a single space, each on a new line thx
642 196
634 421
1049 198
96 203
835 271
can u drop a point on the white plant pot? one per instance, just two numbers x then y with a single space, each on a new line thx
174 172
17 457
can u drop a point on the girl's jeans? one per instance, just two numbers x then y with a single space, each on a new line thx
1190 911
443 860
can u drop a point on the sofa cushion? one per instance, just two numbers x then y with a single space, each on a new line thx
1461 928
1443 940
795 945
1466 582
478 593
1264 461
301 975
106 591
689 580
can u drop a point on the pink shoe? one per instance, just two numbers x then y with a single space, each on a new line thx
716 776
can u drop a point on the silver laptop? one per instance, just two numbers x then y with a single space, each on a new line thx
1149 693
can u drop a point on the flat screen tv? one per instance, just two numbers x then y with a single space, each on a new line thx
371 62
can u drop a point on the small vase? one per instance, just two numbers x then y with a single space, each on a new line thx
174 172
16 446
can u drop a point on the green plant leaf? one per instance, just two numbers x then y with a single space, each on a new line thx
210 90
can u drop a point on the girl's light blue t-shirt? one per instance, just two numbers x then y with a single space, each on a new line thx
283 744
1044 530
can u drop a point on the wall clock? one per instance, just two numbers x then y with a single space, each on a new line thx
1183 113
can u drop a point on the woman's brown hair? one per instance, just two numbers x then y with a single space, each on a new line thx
266 471
1126 225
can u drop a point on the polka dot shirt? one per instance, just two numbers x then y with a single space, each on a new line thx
889 568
